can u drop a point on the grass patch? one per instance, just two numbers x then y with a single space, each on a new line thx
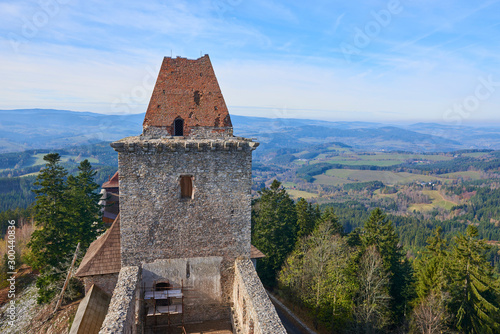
385 159
378 163
475 154
300 193
437 201
473 175
330 180
342 173
387 177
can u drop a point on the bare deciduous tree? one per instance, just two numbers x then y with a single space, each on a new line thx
430 316
372 302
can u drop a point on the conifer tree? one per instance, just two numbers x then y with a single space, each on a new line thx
84 208
307 217
431 313
50 242
379 232
433 268
274 229
475 292
330 219
65 214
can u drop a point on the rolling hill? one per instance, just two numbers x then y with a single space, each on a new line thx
24 129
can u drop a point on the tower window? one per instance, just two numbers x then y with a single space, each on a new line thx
179 127
186 186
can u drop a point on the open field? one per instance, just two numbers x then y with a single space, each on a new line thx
475 154
387 177
472 175
299 193
379 159
437 201
330 180
352 162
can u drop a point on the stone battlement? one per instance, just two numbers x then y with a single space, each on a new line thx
180 144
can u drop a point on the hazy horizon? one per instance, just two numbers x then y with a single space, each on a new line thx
493 123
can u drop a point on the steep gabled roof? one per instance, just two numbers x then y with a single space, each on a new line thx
255 253
187 89
112 183
103 255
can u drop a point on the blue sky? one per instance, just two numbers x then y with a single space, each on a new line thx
391 61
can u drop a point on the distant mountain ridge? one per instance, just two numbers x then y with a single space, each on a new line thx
22 129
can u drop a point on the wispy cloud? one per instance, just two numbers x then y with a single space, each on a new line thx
267 54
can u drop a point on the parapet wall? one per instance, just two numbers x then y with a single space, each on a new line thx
122 308
200 279
253 311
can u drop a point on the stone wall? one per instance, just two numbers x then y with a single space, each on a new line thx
156 223
253 312
200 279
106 282
121 317
91 312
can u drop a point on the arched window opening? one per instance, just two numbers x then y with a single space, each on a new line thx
161 286
186 186
179 127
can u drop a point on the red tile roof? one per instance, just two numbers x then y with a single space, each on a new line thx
103 255
187 89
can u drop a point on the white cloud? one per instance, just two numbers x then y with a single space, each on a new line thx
93 54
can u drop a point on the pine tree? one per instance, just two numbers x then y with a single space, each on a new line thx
330 219
379 232
433 268
475 292
431 313
49 243
306 218
65 214
274 230
83 201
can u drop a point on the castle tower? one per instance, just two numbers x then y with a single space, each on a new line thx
185 189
